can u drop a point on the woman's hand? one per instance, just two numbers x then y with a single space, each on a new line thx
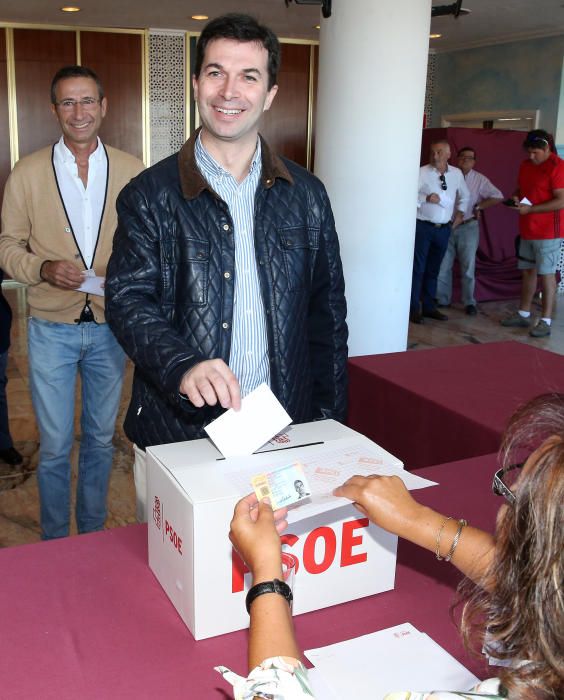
385 500
255 534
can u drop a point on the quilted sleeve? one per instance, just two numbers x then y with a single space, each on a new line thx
327 328
134 305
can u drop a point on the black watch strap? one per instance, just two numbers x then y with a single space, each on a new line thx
275 586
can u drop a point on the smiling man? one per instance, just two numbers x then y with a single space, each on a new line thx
226 272
58 221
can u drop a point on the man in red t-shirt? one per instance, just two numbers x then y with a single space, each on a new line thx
540 202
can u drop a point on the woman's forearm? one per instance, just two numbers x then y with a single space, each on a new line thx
271 630
473 553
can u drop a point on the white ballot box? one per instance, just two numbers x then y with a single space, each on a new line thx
191 494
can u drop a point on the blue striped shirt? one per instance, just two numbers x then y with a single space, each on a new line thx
248 359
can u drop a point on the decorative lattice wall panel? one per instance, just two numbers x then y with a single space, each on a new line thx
430 90
167 83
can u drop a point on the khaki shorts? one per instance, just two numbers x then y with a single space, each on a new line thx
542 255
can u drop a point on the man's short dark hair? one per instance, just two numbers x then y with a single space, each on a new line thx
539 138
242 28
467 148
75 72
434 142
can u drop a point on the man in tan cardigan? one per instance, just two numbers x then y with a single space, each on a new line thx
58 222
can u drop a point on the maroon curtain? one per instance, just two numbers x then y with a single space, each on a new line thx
498 156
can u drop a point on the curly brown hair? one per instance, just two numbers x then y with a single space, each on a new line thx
521 597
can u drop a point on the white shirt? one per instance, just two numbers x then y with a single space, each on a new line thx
84 205
248 358
430 183
480 188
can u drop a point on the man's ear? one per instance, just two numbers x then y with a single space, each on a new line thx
270 95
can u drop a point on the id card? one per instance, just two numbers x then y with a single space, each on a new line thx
284 486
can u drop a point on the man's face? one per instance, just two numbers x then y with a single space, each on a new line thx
466 161
232 89
538 155
439 155
80 123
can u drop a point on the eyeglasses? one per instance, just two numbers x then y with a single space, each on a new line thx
87 103
442 178
466 158
499 487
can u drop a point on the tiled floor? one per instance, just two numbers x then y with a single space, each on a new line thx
18 487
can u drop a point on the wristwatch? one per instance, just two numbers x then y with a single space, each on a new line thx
274 586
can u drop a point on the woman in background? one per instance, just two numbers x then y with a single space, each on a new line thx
514 580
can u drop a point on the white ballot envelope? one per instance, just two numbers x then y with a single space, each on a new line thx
92 283
242 432
395 659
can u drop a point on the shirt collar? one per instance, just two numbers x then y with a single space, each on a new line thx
211 168
437 170
67 156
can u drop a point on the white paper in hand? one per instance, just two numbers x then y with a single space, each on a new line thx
240 433
92 284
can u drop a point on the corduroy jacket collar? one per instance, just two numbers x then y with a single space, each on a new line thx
193 183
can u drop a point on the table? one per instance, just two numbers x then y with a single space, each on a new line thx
435 406
84 618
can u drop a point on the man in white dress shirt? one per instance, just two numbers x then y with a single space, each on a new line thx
58 222
465 238
441 190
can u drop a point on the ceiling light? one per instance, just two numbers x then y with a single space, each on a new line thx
435 36
317 26
70 8
200 18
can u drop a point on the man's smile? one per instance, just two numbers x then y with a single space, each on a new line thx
230 112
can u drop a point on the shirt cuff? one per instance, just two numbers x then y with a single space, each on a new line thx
277 678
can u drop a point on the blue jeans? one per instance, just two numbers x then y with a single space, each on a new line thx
56 352
463 244
5 437
430 246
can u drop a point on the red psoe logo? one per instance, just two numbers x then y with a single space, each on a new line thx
316 560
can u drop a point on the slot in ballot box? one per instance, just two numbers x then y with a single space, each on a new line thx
191 492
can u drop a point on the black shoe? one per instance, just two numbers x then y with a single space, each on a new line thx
415 317
435 313
471 310
11 456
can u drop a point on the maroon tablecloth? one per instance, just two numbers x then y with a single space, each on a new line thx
84 618
435 406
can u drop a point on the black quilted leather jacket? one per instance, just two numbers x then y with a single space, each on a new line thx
170 304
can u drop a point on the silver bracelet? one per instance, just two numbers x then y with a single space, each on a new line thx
438 540
461 524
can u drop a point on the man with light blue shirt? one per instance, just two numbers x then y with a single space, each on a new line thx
226 271
465 238
441 190
58 221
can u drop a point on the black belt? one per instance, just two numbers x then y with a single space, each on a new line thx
472 218
424 221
